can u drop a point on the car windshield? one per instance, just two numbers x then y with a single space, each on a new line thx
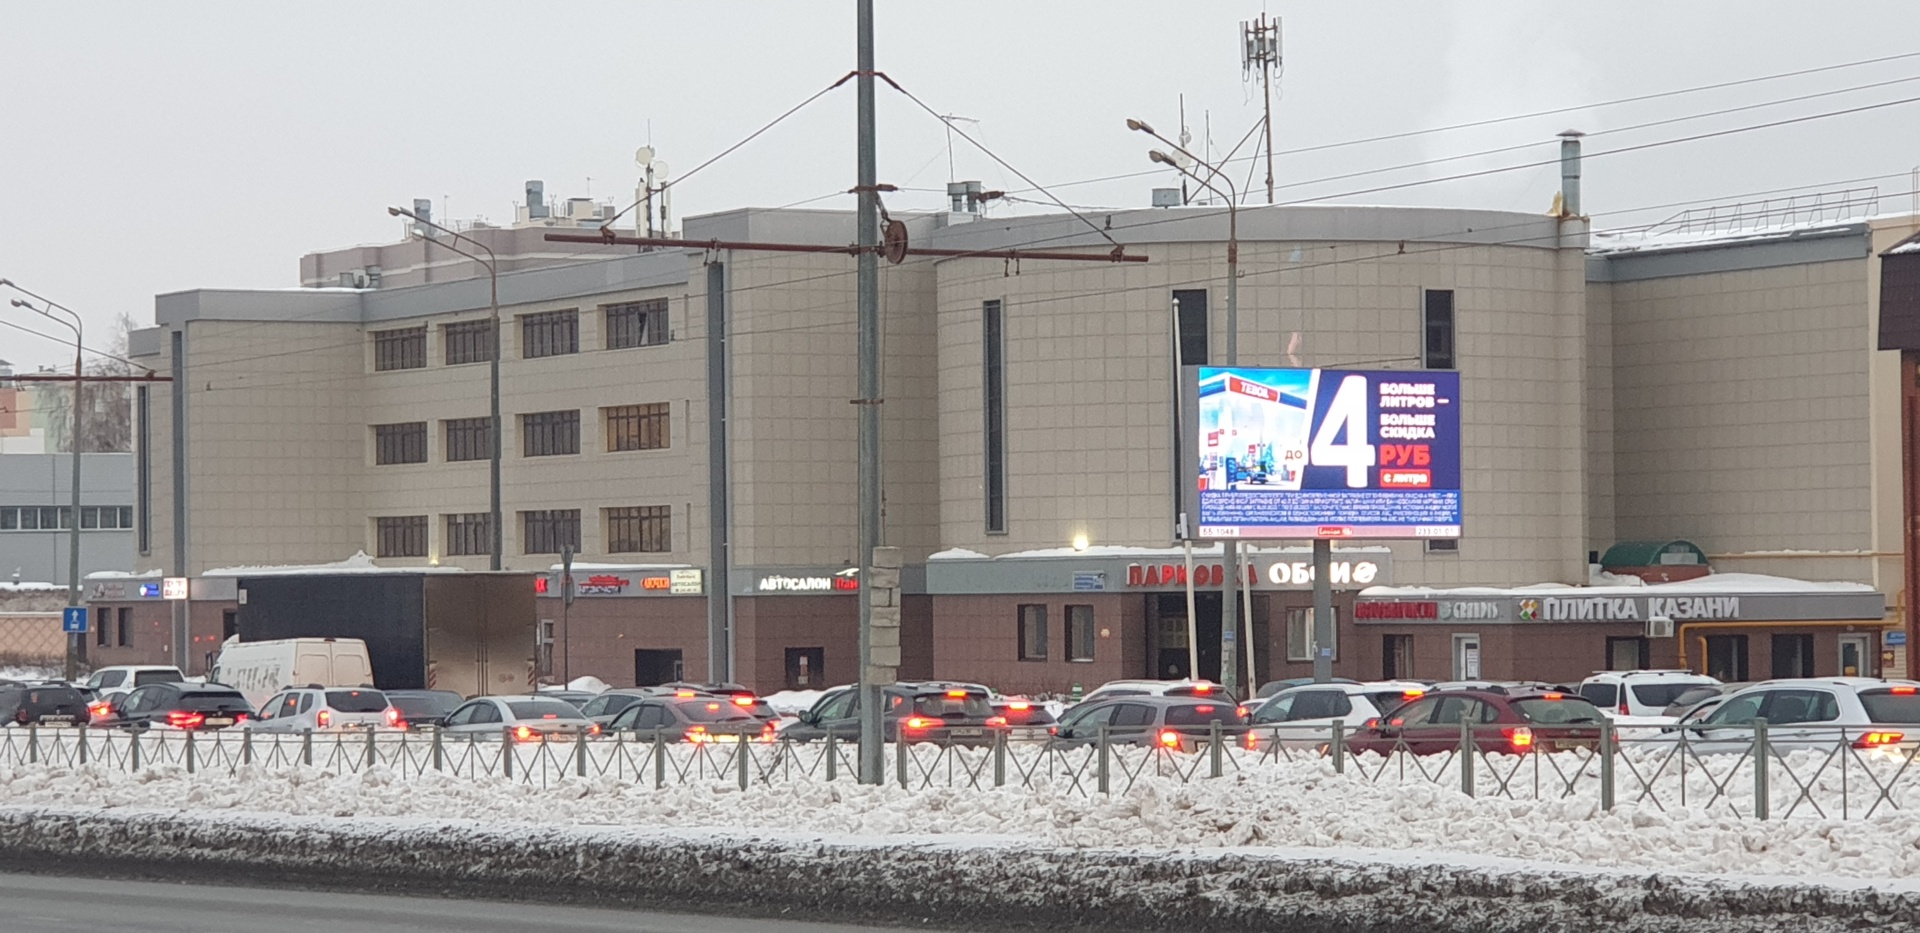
543 708
357 701
430 705
1202 713
1661 694
945 704
715 709
1565 709
210 700
54 696
1389 700
1888 706
1695 694
143 678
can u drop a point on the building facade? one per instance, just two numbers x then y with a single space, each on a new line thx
36 515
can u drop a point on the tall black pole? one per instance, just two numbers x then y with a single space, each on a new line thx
868 403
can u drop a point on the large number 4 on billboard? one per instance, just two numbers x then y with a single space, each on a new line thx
1341 440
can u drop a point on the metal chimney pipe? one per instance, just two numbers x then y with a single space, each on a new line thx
1570 173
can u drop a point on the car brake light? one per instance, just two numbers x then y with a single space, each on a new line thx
713 707
100 709
239 717
523 733
1203 688
1203 709
183 720
1019 706
1520 737
1053 730
1169 738
683 693
393 716
20 715
743 701
326 718
768 733
1372 723
920 722
1903 691
1241 712
1551 696
957 694
1878 739
593 729
997 721
697 734
1250 742
1412 694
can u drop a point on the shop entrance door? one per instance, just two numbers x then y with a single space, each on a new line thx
1727 658
1466 657
806 668
1792 656
1167 636
1855 655
655 666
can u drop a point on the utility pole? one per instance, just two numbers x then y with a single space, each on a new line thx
1260 50
872 759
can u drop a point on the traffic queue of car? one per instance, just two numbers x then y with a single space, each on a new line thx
1382 717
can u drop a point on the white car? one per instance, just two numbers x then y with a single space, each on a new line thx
1156 688
113 681
525 718
1640 698
1812 713
1303 716
326 709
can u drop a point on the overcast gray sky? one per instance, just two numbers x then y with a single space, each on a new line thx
152 147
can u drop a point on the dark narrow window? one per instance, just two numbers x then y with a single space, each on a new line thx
1079 633
1033 632
123 627
400 536
1792 656
468 342
551 333
1437 318
547 531
102 627
1190 317
639 528
637 427
993 376
400 443
1443 545
405 348
637 324
469 533
469 439
143 468
550 433
1628 653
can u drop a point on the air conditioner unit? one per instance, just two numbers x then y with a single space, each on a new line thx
1659 627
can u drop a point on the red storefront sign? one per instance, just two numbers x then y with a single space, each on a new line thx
1396 610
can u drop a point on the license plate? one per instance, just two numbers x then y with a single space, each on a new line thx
222 721
963 733
55 724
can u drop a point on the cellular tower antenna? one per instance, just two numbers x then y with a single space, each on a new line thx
1260 51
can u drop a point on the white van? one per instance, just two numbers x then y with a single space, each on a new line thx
260 669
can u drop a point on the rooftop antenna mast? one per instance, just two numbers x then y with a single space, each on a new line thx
1260 51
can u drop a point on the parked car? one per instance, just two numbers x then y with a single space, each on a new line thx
1019 712
424 709
578 698
112 681
54 705
1303 716
601 709
261 669
934 711
1272 687
740 696
1694 696
1641 695
1174 723
179 706
326 709
1161 688
525 718
1503 720
704 718
1812 713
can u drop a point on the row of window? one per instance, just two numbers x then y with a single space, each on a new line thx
57 517
542 434
114 628
546 333
631 529
1033 632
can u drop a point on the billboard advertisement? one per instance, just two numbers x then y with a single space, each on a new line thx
1324 453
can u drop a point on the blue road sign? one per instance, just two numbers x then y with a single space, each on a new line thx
73 620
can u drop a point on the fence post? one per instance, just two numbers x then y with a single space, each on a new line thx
1339 746
1607 738
246 746
133 750
1000 759
33 743
900 751
1762 806
189 752
373 754
1214 751
659 758
1466 757
83 743
439 754
306 748
833 765
580 755
506 753
1100 774
745 751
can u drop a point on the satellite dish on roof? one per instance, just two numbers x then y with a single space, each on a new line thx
643 156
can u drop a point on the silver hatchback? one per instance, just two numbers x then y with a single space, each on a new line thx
326 709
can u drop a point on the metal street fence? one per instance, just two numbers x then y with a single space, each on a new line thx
1756 771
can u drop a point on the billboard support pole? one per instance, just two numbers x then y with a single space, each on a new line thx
1247 573
1193 627
1322 611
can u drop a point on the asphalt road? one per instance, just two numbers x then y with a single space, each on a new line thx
54 904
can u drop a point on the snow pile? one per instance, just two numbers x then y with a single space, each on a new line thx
793 702
1299 804
360 562
44 672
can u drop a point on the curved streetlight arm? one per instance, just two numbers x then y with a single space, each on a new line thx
1232 194
74 325
488 262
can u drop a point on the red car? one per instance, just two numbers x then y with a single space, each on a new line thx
1507 721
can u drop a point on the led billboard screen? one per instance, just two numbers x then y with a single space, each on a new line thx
1325 453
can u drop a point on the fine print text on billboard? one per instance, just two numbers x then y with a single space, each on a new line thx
1328 453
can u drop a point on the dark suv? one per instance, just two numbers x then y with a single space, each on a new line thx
705 718
916 712
53 705
194 707
1503 720
1175 723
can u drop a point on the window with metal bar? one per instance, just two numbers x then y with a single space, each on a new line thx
469 533
993 403
647 528
400 536
547 531
637 324
400 443
550 433
405 348
549 333
637 427
469 439
1033 632
468 341
1080 633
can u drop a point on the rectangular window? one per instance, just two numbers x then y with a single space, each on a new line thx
1033 633
639 528
1792 656
546 532
143 467
637 427
1437 322
550 433
126 516
993 378
1396 657
468 341
9 519
400 536
637 324
1628 653
469 439
124 627
1443 545
1190 323
469 533
1300 634
405 348
400 443
90 517
1079 633
550 333
103 627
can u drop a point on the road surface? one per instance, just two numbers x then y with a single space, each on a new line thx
54 904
